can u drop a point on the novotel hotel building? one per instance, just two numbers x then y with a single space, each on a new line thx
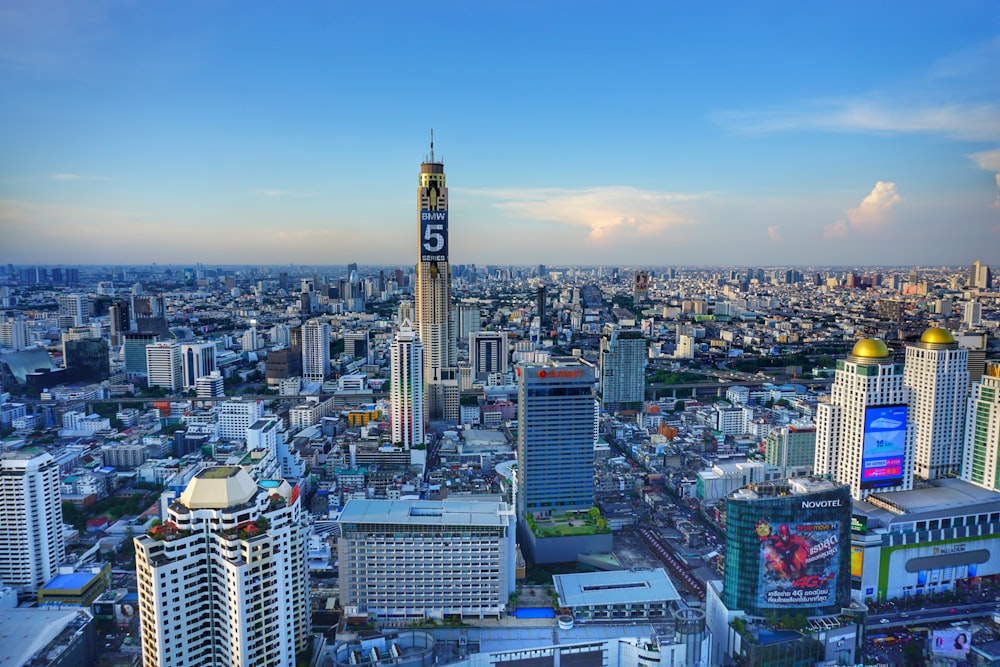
555 442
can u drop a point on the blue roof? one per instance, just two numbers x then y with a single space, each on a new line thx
75 581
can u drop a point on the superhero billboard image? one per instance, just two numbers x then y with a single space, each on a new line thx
798 563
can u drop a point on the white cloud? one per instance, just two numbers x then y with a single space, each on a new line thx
989 161
603 210
873 213
774 233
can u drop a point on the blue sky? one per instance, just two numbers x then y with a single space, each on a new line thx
581 132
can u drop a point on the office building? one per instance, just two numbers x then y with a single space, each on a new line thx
211 385
163 365
149 313
74 309
406 388
14 334
791 448
134 347
236 416
540 297
197 360
864 434
223 580
980 277
358 344
981 460
972 313
936 373
87 359
787 556
488 353
640 287
416 559
31 530
555 439
315 351
432 293
623 369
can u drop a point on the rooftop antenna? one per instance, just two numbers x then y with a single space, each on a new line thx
432 144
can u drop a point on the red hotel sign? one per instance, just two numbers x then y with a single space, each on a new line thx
561 373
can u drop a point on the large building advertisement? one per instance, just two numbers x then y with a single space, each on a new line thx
433 236
884 446
954 643
799 563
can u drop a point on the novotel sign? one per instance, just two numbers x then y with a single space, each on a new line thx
814 504
561 373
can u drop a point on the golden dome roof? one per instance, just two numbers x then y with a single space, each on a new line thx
937 335
870 348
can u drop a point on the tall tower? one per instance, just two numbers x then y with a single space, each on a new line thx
197 360
937 375
315 351
981 464
433 293
623 369
864 436
31 535
406 390
555 440
223 581
163 365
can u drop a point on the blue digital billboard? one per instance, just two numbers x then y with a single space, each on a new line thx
433 236
884 449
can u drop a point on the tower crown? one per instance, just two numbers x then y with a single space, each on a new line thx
870 348
937 335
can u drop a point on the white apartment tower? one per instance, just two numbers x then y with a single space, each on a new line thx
432 292
937 375
223 581
31 531
864 436
236 416
406 389
315 350
163 365
14 334
197 360
74 309
981 464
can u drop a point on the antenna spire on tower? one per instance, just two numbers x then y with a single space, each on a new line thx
432 144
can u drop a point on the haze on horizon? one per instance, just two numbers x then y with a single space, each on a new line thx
572 133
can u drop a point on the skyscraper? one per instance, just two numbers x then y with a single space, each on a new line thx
406 389
197 360
981 464
315 350
937 376
555 437
980 276
163 365
623 369
433 293
31 531
488 353
864 436
223 580
73 309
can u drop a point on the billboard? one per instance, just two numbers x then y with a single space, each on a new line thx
433 236
798 563
951 643
884 446
857 563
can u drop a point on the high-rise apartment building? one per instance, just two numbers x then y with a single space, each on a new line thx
415 559
432 293
315 350
14 334
163 365
791 448
864 435
406 388
488 353
937 375
31 532
223 581
623 369
236 416
555 437
981 464
197 360
73 309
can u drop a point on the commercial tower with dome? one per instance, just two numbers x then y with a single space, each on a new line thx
864 434
936 373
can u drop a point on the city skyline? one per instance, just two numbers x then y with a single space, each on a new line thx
574 134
